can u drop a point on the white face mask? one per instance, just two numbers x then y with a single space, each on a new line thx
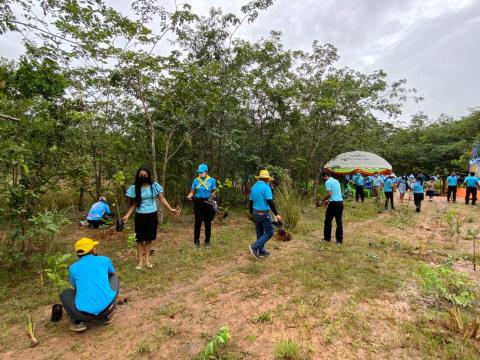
203 174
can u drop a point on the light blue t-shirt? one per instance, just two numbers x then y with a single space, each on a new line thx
387 185
377 181
452 180
98 211
471 181
417 188
149 203
89 277
358 180
333 186
201 191
260 193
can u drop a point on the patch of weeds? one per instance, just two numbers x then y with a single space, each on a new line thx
402 218
169 331
143 347
373 257
254 293
252 269
251 338
171 310
263 318
287 350
444 283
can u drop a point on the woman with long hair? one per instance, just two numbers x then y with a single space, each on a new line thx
143 196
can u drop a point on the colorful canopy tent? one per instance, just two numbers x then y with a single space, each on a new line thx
368 164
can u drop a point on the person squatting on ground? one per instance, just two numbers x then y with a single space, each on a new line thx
202 193
95 287
452 182
359 182
388 188
98 213
334 200
417 189
143 200
472 183
260 204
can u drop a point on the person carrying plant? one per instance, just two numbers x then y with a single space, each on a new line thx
334 202
143 200
417 189
260 205
359 182
472 183
95 287
452 182
388 187
202 193
98 213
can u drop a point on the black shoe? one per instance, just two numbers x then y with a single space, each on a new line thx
264 254
197 245
254 252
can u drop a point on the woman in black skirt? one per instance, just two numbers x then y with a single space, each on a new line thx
143 200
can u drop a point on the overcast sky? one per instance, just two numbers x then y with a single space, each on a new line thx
434 44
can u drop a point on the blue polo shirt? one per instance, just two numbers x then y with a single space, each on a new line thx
471 181
148 195
452 180
358 180
333 186
377 181
89 277
201 191
417 188
98 211
260 193
387 185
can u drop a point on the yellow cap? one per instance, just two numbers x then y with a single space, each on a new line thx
264 174
85 245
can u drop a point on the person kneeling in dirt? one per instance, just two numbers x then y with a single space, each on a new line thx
98 213
95 287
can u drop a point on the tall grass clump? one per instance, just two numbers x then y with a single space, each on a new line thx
290 203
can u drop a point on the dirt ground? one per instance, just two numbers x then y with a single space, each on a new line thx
356 301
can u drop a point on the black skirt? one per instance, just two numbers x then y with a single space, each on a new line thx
146 226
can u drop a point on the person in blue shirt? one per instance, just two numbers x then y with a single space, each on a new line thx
388 188
452 182
359 182
95 287
377 183
472 185
98 213
418 195
334 202
260 205
203 193
143 200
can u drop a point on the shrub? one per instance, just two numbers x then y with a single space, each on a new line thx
289 203
444 283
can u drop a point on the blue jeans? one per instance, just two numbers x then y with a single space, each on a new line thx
264 229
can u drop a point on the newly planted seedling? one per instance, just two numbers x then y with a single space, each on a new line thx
213 347
31 332
473 234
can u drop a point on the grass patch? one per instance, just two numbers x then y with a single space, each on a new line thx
287 350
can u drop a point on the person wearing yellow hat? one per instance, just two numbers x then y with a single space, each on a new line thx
95 287
202 193
260 204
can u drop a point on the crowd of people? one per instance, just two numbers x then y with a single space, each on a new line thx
95 286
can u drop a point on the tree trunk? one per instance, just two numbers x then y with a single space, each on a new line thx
317 180
152 147
80 200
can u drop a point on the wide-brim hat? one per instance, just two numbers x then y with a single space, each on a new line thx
264 174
